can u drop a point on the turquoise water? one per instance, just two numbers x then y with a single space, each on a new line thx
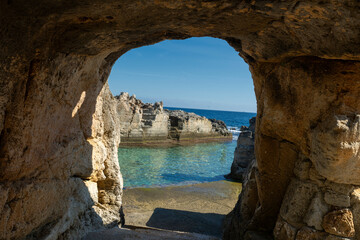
180 165
203 162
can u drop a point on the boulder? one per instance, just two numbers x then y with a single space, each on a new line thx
339 223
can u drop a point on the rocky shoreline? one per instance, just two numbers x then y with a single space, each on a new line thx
145 124
244 152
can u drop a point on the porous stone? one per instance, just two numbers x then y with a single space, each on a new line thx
339 223
284 230
298 198
355 208
345 189
244 152
55 57
187 126
306 233
335 145
316 177
302 169
332 237
316 211
337 199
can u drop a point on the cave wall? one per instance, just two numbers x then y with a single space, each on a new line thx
59 176
307 140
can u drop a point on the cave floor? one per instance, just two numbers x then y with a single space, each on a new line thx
199 208
145 234
191 212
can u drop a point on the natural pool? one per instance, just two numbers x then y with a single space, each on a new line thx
179 165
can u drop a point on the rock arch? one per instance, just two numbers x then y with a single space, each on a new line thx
59 176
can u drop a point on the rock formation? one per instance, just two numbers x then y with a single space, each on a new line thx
139 122
244 152
57 148
184 126
151 124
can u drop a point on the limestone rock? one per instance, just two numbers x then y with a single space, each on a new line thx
306 233
284 230
296 202
332 237
337 199
316 211
55 57
302 169
187 126
339 223
355 207
244 152
335 147
141 122
145 123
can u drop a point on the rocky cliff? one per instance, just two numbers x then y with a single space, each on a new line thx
151 124
140 122
55 57
244 152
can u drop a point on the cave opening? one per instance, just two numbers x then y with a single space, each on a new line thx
60 176
164 154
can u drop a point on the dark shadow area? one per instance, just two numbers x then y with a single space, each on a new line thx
185 221
190 177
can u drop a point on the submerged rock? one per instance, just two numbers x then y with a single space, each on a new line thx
145 123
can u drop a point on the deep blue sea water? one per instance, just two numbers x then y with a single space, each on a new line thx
181 165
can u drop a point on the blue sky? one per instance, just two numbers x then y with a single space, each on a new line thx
203 73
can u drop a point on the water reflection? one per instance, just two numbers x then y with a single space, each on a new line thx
176 165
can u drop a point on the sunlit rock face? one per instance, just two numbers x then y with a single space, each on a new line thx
146 124
139 122
59 176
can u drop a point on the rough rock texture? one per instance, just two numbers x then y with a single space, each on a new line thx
56 150
340 223
185 126
141 122
301 87
149 124
244 152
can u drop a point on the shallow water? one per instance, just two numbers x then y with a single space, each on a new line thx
178 165
181 165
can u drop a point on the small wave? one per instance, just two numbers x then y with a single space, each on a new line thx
234 129
235 132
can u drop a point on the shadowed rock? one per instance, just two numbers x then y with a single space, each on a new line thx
58 144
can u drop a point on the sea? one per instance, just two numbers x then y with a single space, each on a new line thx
183 165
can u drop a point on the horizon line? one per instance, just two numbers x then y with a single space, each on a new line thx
210 109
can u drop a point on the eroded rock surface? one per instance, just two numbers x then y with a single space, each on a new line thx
58 150
141 122
244 152
187 126
295 100
151 124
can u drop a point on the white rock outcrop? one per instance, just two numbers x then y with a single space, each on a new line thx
145 123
